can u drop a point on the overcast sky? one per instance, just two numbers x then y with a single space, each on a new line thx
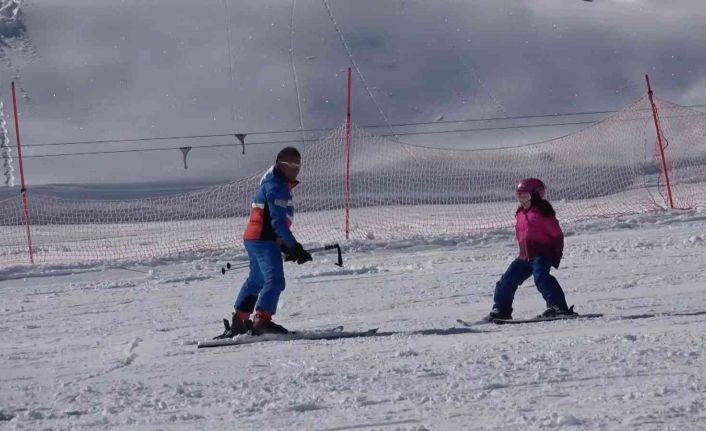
98 69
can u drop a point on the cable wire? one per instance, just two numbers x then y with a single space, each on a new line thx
370 126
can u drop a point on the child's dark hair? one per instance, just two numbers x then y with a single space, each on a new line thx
543 205
288 152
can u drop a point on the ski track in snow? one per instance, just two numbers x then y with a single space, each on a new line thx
101 347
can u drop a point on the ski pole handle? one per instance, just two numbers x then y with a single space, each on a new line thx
223 270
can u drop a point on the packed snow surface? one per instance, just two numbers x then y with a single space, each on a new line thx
110 347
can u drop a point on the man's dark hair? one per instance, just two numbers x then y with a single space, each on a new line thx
288 152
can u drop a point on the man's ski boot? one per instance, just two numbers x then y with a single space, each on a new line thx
555 312
239 324
495 313
263 324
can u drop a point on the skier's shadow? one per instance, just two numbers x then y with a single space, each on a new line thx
449 331
670 314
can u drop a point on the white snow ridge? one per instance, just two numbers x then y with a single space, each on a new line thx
109 348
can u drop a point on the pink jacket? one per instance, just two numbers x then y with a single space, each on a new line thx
538 235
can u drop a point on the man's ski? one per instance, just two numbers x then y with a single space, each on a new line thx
327 334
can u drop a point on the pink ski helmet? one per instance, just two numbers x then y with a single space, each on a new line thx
532 186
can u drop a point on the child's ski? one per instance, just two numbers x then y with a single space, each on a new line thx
544 319
528 320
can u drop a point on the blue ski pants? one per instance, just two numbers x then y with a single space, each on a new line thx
519 271
265 281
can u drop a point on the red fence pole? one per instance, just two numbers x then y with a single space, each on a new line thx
348 158
23 190
660 143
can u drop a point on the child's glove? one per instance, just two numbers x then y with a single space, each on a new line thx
556 261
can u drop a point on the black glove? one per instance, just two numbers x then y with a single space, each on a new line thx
288 255
556 261
301 255
297 254
289 258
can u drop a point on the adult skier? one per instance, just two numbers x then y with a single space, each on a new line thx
268 236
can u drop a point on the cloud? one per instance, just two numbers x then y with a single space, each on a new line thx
116 70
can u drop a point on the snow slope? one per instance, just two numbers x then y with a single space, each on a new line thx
103 347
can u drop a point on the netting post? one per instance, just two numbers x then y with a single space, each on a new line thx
660 144
23 190
348 158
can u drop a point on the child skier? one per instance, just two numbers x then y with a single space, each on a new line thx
541 244
266 237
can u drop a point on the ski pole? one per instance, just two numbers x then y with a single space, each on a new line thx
327 247
330 247
228 266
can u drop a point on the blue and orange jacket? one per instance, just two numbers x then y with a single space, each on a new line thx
272 211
